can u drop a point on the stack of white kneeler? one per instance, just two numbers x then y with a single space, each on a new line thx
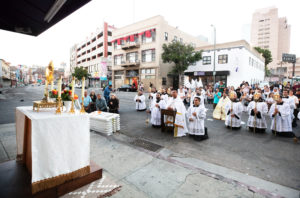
104 122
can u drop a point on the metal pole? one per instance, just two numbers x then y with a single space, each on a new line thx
293 70
214 71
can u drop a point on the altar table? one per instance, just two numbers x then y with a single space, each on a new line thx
55 148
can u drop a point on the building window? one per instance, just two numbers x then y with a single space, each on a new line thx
132 57
148 55
175 38
148 71
164 81
109 33
166 36
149 39
206 60
118 59
223 59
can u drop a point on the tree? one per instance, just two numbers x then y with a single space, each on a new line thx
181 55
80 72
266 53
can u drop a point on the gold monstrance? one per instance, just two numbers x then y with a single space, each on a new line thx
44 103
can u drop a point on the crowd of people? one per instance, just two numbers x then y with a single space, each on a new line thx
279 101
95 102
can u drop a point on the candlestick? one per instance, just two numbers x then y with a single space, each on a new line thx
73 87
83 85
46 87
51 85
82 110
59 105
59 87
72 110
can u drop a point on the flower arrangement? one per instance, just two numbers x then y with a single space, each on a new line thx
66 95
53 93
75 97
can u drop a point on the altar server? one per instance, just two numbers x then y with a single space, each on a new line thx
196 115
198 94
281 118
155 109
290 101
152 96
176 104
140 103
257 111
233 111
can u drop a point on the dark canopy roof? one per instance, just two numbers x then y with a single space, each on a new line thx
33 17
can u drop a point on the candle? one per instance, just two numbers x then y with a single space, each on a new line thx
59 87
83 84
51 85
46 86
73 87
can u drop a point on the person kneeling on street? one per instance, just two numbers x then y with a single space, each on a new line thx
196 115
101 103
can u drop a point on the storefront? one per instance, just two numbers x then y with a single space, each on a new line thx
207 77
132 77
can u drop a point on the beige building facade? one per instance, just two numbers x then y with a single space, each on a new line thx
268 31
137 49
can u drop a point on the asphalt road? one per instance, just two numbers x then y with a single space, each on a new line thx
265 156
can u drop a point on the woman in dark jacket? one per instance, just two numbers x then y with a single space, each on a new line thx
94 98
113 104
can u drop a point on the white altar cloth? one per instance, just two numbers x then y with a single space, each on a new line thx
60 144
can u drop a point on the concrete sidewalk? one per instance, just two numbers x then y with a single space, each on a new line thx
144 173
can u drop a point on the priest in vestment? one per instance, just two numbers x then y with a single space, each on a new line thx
196 115
175 104
219 111
155 109
280 114
233 110
140 103
257 111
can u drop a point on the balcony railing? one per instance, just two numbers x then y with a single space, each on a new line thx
128 63
130 45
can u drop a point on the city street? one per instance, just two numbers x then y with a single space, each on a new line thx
264 156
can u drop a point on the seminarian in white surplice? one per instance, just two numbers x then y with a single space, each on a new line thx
140 103
233 110
155 109
175 104
196 115
257 110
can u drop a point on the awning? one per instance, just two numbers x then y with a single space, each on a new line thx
33 17
207 73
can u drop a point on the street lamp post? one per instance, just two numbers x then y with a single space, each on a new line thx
214 72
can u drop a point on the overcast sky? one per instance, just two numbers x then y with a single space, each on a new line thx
192 16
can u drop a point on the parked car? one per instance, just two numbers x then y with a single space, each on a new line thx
127 88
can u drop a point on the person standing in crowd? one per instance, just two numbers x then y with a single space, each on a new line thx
209 95
295 109
142 86
196 115
181 93
93 103
290 101
176 104
216 86
107 91
155 110
113 104
233 111
101 103
152 96
86 102
257 111
217 96
140 103
221 87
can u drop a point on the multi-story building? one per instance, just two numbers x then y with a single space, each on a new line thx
234 62
268 31
4 73
93 54
137 50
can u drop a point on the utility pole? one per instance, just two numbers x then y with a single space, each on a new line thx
214 71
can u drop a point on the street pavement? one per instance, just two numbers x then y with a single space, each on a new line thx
228 164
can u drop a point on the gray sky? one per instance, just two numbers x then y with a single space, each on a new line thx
192 16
